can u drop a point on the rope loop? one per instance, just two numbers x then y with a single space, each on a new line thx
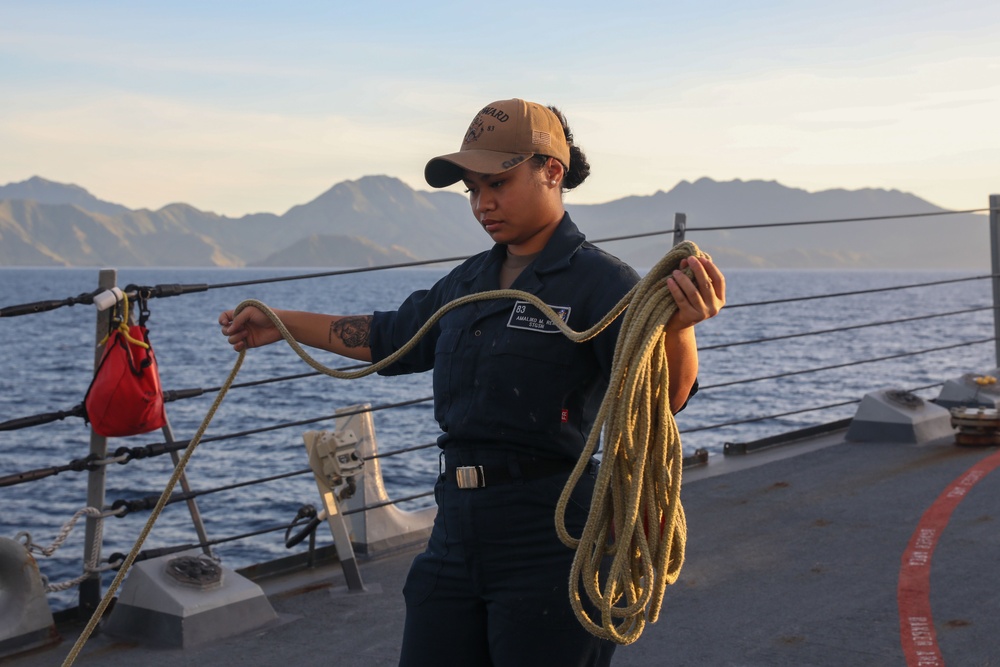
28 544
89 568
63 533
121 507
120 322
657 386
124 455
635 516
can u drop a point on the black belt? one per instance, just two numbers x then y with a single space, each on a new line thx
479 476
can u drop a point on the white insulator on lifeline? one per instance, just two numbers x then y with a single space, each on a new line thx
108 298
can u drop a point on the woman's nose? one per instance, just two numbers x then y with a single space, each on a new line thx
485 202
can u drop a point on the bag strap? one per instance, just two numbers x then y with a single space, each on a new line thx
123 327
142 301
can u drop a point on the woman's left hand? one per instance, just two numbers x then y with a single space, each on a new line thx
698 299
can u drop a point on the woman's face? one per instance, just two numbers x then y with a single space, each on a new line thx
519 207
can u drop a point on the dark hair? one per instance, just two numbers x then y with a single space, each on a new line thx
578 168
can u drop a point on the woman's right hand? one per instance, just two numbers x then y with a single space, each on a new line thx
250 328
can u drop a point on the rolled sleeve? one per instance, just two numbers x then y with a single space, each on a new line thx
391 330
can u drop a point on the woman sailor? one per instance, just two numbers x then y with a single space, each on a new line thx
514 398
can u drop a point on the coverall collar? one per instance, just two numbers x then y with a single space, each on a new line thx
556 254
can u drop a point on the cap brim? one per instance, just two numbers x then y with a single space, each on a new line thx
448 169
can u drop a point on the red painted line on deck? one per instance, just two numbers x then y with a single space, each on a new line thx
916 625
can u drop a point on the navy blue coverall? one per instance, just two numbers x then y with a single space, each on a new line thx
511 394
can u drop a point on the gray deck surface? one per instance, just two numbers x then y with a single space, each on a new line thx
793 558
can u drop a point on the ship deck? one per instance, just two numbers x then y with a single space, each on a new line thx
795 557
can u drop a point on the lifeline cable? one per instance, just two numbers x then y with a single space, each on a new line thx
647 298
177 289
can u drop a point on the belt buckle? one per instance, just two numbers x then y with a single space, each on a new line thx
470 477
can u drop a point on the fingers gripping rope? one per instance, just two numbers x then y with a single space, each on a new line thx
652 289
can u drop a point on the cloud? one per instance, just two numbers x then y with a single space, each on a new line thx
268 115
231 161
882 125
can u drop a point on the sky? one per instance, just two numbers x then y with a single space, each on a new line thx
243 107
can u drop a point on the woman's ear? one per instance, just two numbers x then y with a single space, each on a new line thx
554 171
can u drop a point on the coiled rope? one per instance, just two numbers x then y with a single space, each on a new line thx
635 513
652 289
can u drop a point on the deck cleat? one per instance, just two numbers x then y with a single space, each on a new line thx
977 426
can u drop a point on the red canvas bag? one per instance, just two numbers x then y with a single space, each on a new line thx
125 397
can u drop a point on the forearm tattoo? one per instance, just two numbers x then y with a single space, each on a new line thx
353 331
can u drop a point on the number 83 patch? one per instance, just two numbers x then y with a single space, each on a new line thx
526 316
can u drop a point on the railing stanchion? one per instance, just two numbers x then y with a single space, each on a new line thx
90 588
995 270
192 504
680 227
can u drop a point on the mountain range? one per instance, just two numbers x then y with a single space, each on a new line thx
380 220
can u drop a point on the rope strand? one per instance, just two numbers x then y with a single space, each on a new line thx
651 292
635 514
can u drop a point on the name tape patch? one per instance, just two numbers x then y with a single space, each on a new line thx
526 316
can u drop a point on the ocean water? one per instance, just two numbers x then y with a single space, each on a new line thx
46 363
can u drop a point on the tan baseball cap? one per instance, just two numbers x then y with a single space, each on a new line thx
502 135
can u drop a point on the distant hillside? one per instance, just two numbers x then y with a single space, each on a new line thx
952 241
381 209
32 233
389 212
47 192
43 223
335 250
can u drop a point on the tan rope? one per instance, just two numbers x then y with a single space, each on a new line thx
635 513
685 249
160 504
89 567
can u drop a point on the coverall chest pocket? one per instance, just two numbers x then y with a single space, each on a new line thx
530 376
